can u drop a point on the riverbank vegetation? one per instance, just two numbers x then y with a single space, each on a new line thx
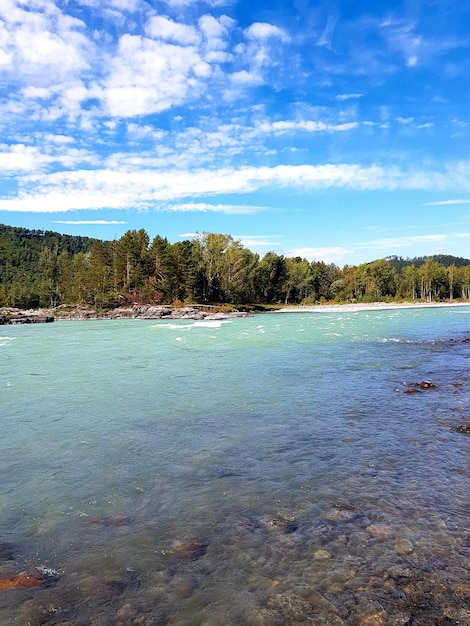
46 269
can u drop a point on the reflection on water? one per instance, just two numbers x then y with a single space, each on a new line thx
269 470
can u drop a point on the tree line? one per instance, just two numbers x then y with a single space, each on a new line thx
46 269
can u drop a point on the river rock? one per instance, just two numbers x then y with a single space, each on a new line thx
381 532
425 384
403 546
304 605
338 514
10 315
190 550
321 555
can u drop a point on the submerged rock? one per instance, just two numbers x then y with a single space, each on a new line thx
321 555
22 579
115 520
190 550
382 532
403 546
303 605
338 514
283 525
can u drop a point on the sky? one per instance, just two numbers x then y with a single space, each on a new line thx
334 130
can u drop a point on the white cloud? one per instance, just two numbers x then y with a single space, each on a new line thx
349 96
259 241
243 77
331 254
282 127
59 139
21 158
159 27
89 222
142 189
215 31
394 243
204 207
148 188
263 30
148 76
43 44
446 202
187 3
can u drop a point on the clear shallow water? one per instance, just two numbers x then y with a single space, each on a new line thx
268 470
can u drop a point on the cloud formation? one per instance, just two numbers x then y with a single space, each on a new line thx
230 109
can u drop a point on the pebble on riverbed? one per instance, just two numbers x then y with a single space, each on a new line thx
403 546
321 555
382 532
190 550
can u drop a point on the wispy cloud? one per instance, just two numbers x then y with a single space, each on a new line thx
260 241
332 254
204 207
349 96
395 243
145 189
89 222
446 202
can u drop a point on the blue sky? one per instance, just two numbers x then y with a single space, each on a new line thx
335 130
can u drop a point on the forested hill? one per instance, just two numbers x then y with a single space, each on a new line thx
398 262
38 239
44 269
20 247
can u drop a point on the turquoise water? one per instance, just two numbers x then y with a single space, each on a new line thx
267 470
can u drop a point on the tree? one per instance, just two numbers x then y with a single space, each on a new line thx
99 274
463 279
270 277
451 278
132 261
162 277
65 277
237 271
298 280
181 253
210 262
409 282
433 277
376 280
48 277
80 269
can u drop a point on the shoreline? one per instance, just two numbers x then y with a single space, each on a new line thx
371 306
11 315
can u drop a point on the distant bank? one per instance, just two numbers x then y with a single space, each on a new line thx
373 306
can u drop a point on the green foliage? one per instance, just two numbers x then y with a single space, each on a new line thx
43 268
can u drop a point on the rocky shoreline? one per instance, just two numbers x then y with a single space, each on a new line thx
10 315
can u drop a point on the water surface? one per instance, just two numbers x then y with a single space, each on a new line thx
269 470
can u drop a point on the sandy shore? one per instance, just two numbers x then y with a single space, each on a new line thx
374 306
